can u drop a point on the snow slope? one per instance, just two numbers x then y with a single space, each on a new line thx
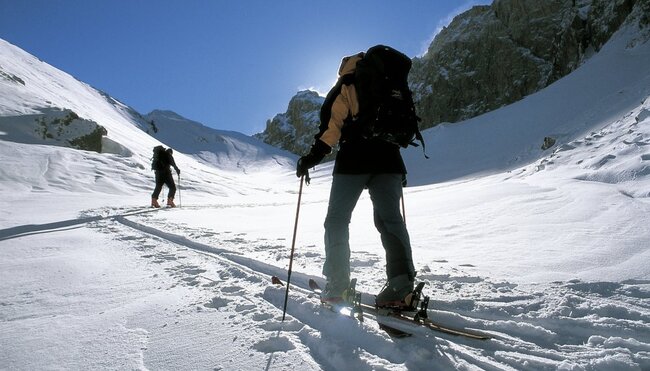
547 251
588 99
30 87
222 149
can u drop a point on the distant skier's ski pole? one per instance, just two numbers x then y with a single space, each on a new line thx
293 246
179 190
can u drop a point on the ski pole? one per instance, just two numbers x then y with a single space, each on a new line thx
403 186
293 246
179 190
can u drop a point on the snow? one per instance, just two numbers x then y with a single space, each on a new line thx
546 251
226 150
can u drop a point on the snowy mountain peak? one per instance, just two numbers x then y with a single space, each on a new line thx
166 114
294 130
226 150
40 104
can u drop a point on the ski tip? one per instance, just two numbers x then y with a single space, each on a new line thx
313 284
394 332
276 281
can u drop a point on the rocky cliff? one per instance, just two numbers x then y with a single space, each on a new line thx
54 126
491 56
294 130
487 57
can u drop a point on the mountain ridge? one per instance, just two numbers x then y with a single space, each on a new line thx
491 56
40 104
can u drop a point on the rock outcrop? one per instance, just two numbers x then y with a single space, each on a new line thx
487 57
491 56
294 130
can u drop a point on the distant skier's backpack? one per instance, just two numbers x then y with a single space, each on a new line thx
386 108
159 158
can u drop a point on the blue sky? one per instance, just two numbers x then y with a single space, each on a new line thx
230 65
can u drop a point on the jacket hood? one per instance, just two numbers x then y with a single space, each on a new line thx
349 63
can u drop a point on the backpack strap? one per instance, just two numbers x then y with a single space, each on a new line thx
418 136
326 107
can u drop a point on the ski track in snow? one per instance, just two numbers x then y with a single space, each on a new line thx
571 325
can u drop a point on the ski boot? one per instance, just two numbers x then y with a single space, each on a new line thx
348 301
154 203
398 293
170 202
333 294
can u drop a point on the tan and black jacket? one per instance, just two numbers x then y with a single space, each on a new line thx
356 154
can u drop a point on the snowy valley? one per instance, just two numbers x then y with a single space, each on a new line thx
547 251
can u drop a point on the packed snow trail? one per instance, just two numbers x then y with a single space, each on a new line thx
29 229
591 325
306 308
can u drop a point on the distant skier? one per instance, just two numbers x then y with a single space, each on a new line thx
362 162
162 160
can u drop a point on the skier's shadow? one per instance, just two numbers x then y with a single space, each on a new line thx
64 225
272 355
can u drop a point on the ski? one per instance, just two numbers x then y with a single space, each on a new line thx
419 317
425 322
393 331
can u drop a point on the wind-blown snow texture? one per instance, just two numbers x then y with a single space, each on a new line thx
547 251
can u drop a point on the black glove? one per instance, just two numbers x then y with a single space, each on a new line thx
178 171
315 156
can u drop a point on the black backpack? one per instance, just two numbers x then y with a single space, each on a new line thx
386 108
159 158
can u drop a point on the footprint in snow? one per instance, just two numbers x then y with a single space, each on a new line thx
286 326
195 271
245 307
166 257
278 344
232 289
262 317
217 303
191 281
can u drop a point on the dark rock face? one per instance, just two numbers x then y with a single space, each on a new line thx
294 130
487 57
491 56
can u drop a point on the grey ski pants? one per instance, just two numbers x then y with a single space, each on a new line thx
385 192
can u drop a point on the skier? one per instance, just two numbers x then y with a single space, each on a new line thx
161 163
361 163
